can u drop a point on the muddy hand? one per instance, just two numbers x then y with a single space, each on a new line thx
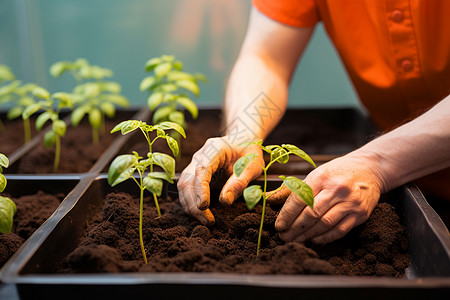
194 183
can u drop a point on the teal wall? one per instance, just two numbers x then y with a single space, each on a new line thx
123 35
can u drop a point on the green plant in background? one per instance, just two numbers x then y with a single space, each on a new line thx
7 206
170 90
50 107
93 95
124 166
279 154
7 86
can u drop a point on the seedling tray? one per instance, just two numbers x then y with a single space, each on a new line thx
427 275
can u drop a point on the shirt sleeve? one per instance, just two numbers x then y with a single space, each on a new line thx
297 13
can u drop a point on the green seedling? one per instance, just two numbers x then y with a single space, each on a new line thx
170 89
7 206
93 96
124 166
50 107
279 154
7 86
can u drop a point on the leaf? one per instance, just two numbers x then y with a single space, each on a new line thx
154 100
59 126
42 118
14 112
5 73
3 182
30 110
252 195
78 114
7 212
171 125
167 88
201 77
165 161
147 83
280 155
301 189
41 93
240 165
153 185
49 138
122 167
152 63
108 109
117 100
95 118
162 69
4 161
65 98
161 175
189 85
295 150
189 105
58 68
126 126
110 86
178 65
161 114
173 145
177 117
175 75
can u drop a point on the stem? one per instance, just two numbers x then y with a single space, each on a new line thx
141 213
157 205
26 130
95 136
263 212
57 153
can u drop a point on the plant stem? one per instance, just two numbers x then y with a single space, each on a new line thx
2 126
263 212
141 213
57 153
157 205
26 130
94 136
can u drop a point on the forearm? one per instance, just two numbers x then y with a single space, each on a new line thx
413 150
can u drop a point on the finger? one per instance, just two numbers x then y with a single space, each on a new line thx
338 231
279 195
289 212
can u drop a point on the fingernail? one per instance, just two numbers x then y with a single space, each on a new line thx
227 198
202 205
280 225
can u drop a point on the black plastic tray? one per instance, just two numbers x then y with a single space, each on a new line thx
427 275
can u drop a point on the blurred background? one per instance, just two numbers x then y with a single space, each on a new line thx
122 35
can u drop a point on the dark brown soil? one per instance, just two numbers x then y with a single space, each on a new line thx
177 243
12 136
32 212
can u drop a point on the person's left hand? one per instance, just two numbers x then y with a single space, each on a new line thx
346 190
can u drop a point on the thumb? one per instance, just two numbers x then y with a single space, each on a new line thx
279 195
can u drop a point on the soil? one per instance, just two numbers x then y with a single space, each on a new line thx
32 212
178 243
12 137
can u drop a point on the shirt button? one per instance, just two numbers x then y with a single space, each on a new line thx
397 16
407 65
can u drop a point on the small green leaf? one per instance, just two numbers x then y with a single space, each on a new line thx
6 73
152 63
154 100
7 212
41 93
59 126
201 77
189 85
58 68
177 117
30 110
117 100
4 161
189 105
50 138
280 155
14 112
162 69
167 88
126 126
110 86
122 167
175 75
91 90
178 65
65 98
108 109
95 118
25 101
42 118
171 125
240 165
77 115
153 185
252 195
166 162
3 182
301 189
173 145
161 114
160 175
295 150
147 83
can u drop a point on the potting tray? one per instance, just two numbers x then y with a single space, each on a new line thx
427 275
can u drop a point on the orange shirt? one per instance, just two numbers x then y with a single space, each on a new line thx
396 52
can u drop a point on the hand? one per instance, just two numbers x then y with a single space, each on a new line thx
346 190
216 155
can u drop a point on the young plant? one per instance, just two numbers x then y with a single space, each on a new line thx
170 90
7 86
279 154
94 96
124 166
50 107
7 206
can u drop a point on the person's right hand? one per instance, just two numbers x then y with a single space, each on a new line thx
218 154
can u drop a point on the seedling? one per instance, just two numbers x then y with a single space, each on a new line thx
93 94
7 206
7 86
124 166
279 154
170 90
51 106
